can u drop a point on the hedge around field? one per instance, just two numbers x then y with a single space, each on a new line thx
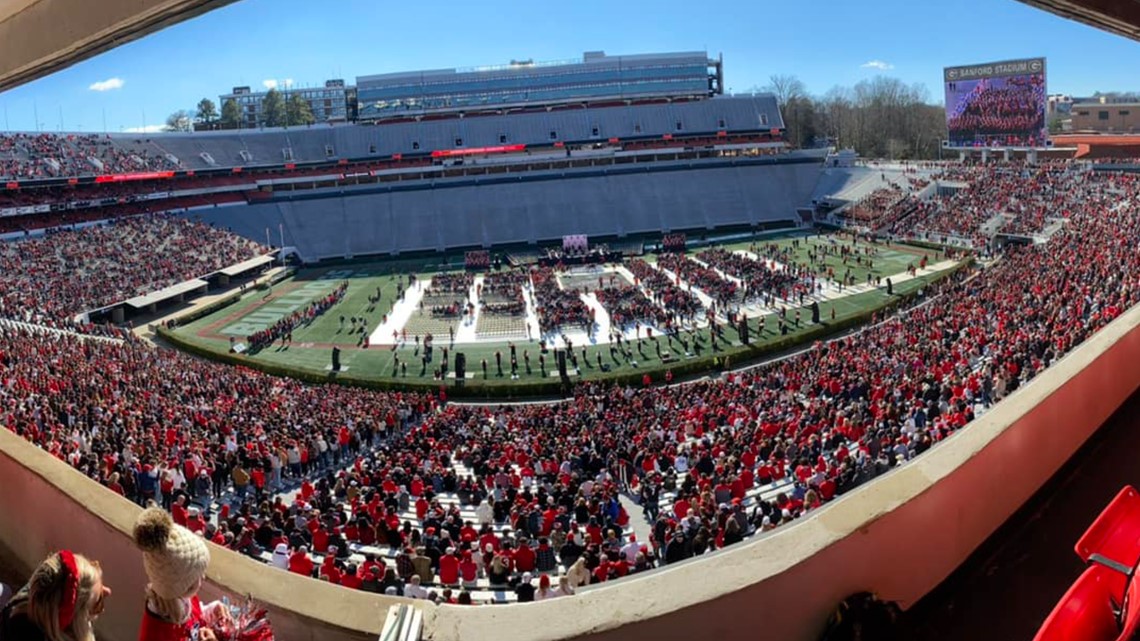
708 362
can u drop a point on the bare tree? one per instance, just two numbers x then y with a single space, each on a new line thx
879 117
785 87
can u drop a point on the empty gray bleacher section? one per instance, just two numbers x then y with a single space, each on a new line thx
225 150
250 222
738 113
146 151
268 150
368 225
310 144
317 232
844 183
414 220
464 218
532 210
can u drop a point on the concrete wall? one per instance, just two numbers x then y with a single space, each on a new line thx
899 535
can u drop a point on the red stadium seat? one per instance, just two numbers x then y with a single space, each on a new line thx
1086 612
1113 539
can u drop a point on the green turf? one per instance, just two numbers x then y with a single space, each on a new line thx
311 345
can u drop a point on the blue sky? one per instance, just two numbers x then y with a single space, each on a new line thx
823 42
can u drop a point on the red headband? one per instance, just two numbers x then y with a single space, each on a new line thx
71 592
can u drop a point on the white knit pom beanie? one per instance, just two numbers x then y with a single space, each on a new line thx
175 558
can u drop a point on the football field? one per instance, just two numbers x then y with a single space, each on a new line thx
312 342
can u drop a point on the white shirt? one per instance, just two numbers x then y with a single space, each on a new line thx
413 591
630 551
484 513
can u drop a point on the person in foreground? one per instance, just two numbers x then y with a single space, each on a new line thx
175 559
60 602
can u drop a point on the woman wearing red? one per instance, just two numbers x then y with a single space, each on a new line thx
175 559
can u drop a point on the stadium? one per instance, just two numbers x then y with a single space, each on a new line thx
589 346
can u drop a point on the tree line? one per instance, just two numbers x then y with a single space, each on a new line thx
880 117
276 111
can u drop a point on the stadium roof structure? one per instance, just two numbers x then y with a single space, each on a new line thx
39 37
1117 16
166 293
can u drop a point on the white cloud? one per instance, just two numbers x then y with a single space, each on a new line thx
106 85
149 129
877 64
269 84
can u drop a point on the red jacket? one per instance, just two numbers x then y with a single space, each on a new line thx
155 629
448 569
300 563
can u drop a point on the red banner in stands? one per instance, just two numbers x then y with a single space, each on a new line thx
397 156
73 181
190 173
500 149
614 141
290 165
118 178
342 161
722 134
667 136
13 185
236 170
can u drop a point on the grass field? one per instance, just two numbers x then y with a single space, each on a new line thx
310 350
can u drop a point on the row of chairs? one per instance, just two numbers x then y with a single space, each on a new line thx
1102 604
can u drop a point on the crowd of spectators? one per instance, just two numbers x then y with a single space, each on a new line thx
501 293
1027 196
556 307
721 290
628 306
46 155
757 279
56 276
283 329
543 478
870 209
681 305
448 295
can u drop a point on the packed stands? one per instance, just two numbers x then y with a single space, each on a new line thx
52 278
46 155
1027 199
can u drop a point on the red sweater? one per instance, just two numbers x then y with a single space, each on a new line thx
155 629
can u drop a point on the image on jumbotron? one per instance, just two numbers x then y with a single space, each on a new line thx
1001 103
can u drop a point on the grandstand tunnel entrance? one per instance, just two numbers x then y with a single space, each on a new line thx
1007 587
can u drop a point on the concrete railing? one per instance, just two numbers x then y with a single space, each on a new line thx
899 535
